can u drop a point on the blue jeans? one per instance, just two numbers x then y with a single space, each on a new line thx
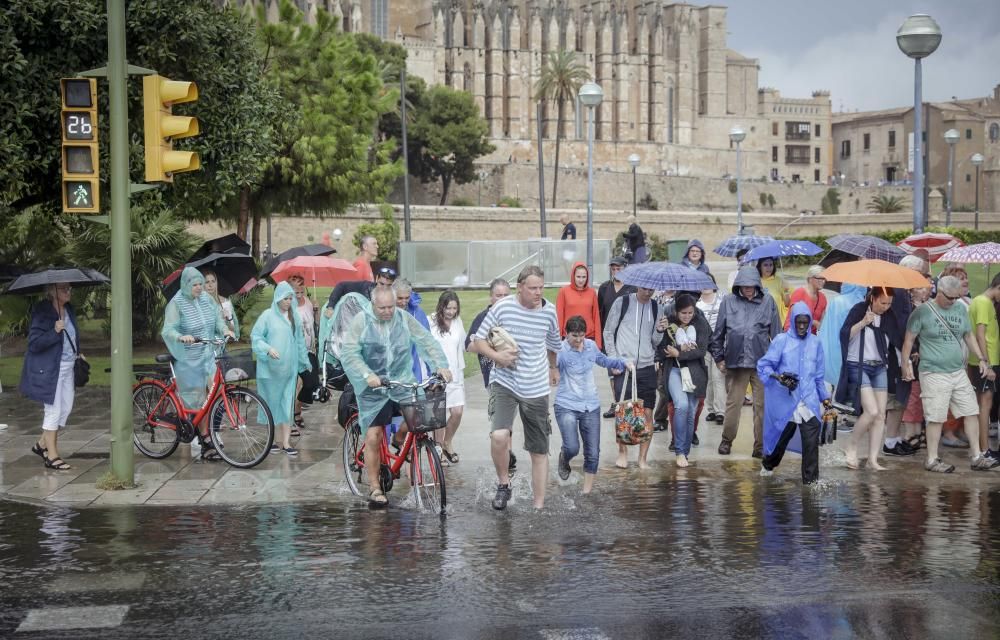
684 408
576 425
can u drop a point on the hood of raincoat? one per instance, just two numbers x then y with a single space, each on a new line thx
282 291
694 243
799 309
572 276
190 277
747 277
414 302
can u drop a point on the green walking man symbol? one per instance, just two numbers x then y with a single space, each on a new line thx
80 197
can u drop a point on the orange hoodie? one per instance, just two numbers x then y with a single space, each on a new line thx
574 301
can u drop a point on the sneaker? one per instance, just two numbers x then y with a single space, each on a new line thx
710 417
512 465
765 472
291 451
725 447
898 450
937 466
503 495
983 462
563 466
275 448
610 413
694 440
659 426
672 446
719 418
907 448
992 453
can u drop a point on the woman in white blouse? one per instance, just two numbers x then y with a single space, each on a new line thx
448 330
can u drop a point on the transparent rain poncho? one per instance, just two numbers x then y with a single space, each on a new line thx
186 315
276 377
370 345
333 330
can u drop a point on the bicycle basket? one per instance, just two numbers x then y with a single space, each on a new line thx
427 413
238 366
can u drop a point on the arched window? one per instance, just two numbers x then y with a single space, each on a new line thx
994 132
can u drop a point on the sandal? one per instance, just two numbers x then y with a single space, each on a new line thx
56 464
377 499
450 456
297 419
39 450
294 433
208 451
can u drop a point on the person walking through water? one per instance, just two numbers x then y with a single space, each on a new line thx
609 291
190 320
448 330
792 371
578 298
279 344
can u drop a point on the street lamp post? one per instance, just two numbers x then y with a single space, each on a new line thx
918 37
591 95
634 161
977 160
737 135
951 136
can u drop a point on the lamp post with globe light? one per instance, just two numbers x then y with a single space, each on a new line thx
591 95
918 37
977 161
951 136
737 134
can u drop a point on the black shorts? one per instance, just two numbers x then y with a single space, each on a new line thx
645 383
980 384
385 415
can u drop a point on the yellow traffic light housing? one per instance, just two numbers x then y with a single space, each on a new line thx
80 159
161 127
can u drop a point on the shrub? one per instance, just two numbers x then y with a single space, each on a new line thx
763 199
386 232
830 205
733 187
508 201
648 203
770 201
886 204
462 202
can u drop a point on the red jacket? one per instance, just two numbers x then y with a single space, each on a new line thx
572 301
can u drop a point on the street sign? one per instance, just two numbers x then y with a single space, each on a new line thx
80 160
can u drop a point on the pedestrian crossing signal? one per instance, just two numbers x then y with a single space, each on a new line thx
80 160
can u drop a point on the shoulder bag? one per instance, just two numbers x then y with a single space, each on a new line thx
631 424
81 368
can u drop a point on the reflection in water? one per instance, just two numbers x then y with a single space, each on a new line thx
904 559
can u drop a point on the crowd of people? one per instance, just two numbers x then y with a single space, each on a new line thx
916 368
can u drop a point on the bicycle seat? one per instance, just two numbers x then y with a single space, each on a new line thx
164 358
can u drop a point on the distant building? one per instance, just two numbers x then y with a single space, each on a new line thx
799 137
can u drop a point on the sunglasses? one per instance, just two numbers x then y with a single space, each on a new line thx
388 272
952 298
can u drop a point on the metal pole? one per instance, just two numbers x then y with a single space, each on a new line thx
739 191
977 197
918 161
635 206
406 157
270 246
541 168
121 258
951 170
590 190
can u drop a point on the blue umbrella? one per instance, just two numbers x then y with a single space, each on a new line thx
733 245
779 248
662 276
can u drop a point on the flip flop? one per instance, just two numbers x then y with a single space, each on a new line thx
377 500
450 456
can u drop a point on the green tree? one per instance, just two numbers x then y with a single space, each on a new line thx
830 204
560 80
886 204
386 232
450 134
770 201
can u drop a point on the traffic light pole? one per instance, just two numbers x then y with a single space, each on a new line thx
121 259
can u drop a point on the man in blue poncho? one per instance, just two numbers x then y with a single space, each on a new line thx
792 372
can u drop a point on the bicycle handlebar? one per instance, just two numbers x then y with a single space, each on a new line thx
215 341
433 380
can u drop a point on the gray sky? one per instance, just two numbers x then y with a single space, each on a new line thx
849 47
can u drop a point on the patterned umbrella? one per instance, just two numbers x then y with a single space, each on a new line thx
983 253
867 247
936 244
663 276
779 248
734 244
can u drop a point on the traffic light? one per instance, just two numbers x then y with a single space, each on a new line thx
161 127
80 160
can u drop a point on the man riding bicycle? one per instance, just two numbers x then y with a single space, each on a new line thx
377 345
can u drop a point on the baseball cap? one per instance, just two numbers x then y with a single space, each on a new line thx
619 261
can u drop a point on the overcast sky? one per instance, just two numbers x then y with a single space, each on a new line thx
849 47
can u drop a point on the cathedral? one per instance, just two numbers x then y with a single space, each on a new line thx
672 88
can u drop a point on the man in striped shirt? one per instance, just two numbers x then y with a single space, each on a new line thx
521 379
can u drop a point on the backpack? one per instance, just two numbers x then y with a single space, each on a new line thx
621 316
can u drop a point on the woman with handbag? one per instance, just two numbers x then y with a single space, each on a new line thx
49 364
681 355
869 373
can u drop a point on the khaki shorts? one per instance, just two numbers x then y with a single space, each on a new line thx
534 413
940 392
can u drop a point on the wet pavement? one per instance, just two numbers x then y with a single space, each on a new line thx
284 550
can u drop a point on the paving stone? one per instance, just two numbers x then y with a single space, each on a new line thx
65 618
87 582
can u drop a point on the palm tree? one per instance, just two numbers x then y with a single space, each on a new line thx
560 80
886 204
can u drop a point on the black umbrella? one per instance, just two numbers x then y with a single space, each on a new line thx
233 270
38 281
231 243
9 272
295 252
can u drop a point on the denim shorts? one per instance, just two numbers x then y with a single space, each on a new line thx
873 376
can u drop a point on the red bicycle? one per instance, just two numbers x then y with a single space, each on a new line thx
422 415
240 422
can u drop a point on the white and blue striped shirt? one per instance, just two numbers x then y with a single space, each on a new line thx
536 331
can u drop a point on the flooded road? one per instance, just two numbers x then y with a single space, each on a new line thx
712 552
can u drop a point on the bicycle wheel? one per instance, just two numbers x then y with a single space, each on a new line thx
244 438
354 470
156 420
427 477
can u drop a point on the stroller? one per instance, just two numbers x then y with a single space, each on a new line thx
331 372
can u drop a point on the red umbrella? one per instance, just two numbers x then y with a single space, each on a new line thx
936 244
317 270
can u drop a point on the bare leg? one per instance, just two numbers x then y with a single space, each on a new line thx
622 461
588 482
500 452
644 446
284 433
454 420
875 439
972 431
985 403
50 441
860 429
373 459
892 423
539 477
933 440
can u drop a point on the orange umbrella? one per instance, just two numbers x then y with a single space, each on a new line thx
875 273
322 271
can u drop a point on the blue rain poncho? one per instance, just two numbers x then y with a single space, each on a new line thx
276 377
829 330
802 356
381 347
186 315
